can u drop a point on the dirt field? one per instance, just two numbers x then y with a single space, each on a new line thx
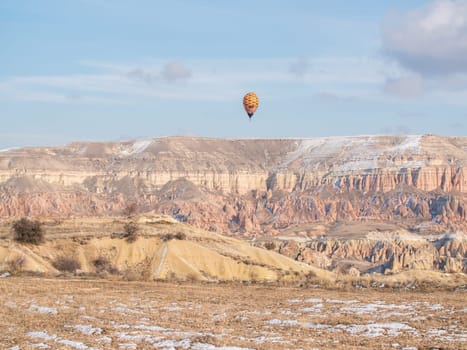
40 313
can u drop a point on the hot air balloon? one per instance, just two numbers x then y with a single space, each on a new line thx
250 103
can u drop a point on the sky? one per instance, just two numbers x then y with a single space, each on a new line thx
102 70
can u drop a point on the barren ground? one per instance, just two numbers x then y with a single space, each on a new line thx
39 313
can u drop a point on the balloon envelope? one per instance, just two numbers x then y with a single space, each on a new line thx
250 103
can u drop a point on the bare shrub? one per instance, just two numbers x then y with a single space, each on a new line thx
270 245
308 279
66 264
102 264
16 264
169 236
28 231
191 277
173 277
131 230
180 236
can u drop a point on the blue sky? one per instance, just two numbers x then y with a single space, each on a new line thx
98 70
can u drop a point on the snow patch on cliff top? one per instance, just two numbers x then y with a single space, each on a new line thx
7 149
135 148
349 153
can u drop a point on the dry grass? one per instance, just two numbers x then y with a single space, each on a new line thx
79 313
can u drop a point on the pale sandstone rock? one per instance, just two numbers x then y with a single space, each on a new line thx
446 253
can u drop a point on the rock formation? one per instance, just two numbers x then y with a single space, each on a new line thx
388 253
257 188
251 187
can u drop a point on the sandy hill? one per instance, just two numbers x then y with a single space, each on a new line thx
165 249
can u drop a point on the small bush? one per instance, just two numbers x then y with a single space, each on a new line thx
28 231
131 230
169 236
16 264
270 245
100 263
66 264
103 265
180 236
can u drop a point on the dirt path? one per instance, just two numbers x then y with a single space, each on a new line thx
161 263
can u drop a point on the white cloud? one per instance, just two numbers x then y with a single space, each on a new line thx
174 71
406 87
170 72
334 97
143 76
430 40
299 68
215 80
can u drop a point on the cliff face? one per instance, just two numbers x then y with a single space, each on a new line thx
393 253
246 186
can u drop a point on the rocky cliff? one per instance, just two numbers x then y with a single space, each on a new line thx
249 186
379 252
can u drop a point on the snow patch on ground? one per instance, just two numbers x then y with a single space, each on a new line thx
316 308
138 337
203 346
41 346
152 328
284 323
313 300
70 343
86 329
173 308
262 339
105 339
125 310
442 334
337 301
373 308
377 329
43 309
366 330
259 312
73 344
173 344
41 335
